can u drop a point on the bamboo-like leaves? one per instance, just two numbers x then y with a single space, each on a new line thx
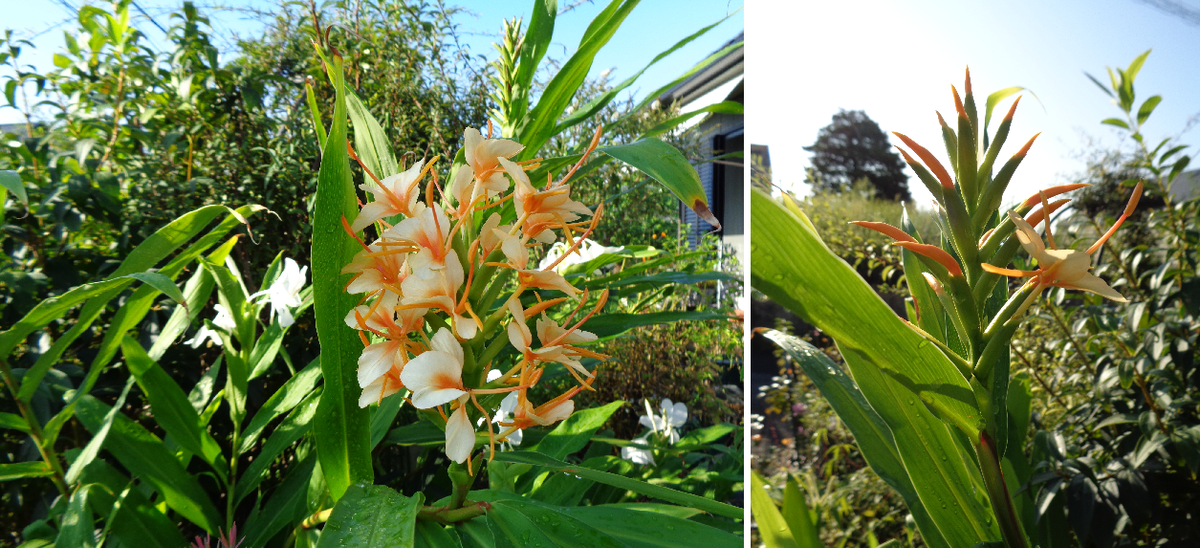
142 451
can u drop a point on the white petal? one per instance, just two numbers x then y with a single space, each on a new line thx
370 393
1096 285
374 361
460 436
444 341
1030 240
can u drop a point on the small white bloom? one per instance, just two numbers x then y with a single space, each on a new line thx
284 294
223 321
636 454
504 414
673 415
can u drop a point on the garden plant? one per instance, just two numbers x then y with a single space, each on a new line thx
459 307
942 406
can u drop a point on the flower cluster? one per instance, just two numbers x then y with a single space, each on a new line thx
432 283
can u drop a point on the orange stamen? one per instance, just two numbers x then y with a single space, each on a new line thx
1133 201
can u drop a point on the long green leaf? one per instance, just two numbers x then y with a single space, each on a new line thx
78 524
372 516
371 143
599 102
19 470
99 436
724 107
137 522
139 450
171 408
573 434
795 513
286 503
519 523
636 528
622 482
665 164
870 431
534 45
342 429
607 325
294 391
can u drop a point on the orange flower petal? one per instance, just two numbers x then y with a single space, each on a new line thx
935 253
888 230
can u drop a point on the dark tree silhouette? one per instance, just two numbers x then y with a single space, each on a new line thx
851 148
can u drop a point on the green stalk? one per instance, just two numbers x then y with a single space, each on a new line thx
993 478
35 431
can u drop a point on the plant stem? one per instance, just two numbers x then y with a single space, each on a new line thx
35 431
444 514
993 477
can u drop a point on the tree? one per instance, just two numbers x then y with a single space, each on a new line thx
853 147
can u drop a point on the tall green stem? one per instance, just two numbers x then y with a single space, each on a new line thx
35 431
1002 505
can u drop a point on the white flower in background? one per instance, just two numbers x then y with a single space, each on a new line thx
588 250
223 321
674 414
504 413
284 294
636 454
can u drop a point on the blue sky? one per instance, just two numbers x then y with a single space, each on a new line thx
652 27
897 60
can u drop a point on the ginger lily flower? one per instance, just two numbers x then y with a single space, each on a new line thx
395 195
637 455
1067 268
284 293
435 377
674 414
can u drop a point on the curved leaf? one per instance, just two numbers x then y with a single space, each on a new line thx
665 164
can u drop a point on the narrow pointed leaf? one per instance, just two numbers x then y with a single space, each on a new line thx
342 428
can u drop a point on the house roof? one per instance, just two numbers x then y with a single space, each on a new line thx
722 70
